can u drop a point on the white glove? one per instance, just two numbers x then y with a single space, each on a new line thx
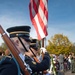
43 50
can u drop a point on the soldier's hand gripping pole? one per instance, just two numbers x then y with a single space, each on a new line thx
13 50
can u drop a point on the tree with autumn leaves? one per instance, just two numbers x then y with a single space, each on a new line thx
59 44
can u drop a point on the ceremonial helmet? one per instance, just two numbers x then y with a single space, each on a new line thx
34 44
20 31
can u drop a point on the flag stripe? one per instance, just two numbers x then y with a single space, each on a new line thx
37 25
41 21
33 21
39 28
45 2
40 11
43 5
39 17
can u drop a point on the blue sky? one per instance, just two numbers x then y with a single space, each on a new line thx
61 17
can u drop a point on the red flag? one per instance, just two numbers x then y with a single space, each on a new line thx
39 17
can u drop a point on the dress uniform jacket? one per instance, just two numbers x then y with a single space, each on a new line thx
8 66
39 67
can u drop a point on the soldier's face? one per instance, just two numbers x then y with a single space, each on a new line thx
16 42
19 45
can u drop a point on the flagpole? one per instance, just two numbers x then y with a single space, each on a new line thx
43 42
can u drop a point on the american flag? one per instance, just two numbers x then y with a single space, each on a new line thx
39 17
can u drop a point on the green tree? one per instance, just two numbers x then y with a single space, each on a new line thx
3 46
73 48
59 44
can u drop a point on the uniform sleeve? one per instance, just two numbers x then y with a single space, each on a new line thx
8 67
44 65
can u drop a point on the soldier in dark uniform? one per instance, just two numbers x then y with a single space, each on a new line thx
8 67
21 38
38 66
8 64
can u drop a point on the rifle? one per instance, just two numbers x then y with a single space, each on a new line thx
13 50
34 56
